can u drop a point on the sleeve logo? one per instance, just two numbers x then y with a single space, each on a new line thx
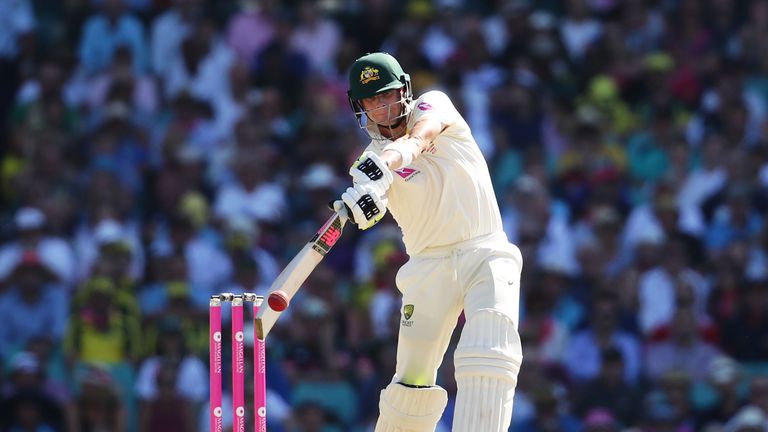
406 173
424 106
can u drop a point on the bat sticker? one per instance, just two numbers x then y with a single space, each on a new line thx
327 236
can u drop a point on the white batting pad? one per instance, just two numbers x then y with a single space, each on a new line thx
409 409
487 361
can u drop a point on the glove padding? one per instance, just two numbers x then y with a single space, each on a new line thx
366 205
370 170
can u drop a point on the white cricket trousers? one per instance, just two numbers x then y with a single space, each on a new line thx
482 278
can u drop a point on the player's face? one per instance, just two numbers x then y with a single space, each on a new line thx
384 108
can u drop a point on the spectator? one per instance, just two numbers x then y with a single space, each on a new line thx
201 68
207 266
99 406
585 347
609 392
46 101
549 335
602 101
251 29
241 239
744 334
758 392
711 176
103 326
282 66
28 411
748 419
550 415
253 195
538 214
659 415
53 370
685 350
515 102
111 250
676 388
108 29
735 220
172 354
26 401
168 31
316 37
556 281
311 416
171 273
167 410
587 160
438 44
599 420
119 82
671 285
54 253
599 248
578 30
31 293
188 317
16 50
725 377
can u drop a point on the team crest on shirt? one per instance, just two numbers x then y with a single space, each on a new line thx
407 173
369 74
407 314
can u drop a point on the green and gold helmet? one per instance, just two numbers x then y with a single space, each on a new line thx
376 73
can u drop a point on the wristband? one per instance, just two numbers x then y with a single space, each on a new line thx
408 150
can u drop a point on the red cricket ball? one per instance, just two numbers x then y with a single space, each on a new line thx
278 301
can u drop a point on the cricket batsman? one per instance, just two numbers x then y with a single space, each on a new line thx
424 166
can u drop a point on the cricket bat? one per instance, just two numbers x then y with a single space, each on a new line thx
296 272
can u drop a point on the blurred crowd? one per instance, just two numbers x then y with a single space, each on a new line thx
154 152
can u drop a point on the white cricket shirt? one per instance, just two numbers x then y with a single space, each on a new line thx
445 196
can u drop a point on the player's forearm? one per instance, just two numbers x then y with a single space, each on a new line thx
401 152
406 149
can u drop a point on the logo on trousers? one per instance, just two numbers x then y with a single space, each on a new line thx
408 311
407 314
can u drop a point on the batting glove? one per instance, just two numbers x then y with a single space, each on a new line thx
366 205
370 170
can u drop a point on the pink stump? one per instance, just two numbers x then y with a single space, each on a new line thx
214 351
238 365
259 376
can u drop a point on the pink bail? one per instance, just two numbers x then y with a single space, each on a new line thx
238 365
214 352
259 376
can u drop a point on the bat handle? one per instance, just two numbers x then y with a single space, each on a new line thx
346 208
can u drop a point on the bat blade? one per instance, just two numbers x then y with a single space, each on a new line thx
296 272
